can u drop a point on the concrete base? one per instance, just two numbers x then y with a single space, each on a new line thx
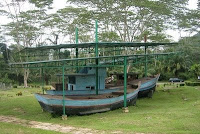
64 117
125 110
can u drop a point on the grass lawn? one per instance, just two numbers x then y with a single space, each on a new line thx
176 110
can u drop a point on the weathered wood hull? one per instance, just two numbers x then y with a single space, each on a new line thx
147 88
82 107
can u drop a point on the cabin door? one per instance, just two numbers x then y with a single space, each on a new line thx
71 87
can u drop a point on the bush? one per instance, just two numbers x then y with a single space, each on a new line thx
182 84
14 86
192 83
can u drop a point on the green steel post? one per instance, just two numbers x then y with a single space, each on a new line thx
58 53
125 80
145 61
97 55
63 81
42 80
77 48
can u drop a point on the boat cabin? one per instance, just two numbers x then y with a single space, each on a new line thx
86 79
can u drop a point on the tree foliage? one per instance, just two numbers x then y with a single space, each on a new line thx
119 21
132 19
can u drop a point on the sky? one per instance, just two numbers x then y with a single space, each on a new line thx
176 35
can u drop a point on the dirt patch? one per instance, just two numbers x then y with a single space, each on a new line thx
50 126
19 110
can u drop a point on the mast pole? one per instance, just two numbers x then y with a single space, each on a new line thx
63 82
42 80
145 40
125 81
76 49
97 55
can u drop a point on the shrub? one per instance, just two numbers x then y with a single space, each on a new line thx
14 86
182 84
192 83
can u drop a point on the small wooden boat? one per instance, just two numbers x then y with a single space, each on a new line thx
88 104
147 87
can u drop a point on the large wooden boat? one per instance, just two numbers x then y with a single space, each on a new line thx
88 104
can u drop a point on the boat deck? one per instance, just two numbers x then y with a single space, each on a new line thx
132 83
131 86
100 96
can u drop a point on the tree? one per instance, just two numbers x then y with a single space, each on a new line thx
64 21
25 26
133 19
196 69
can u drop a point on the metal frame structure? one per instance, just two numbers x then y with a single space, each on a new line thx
96 61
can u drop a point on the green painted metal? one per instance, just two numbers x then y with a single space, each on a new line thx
76 35
87 60
59 53
42 80
101 44
77 48
97 55
125 81
145 61
96 32
63 81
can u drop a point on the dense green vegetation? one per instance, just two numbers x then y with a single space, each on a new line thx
171 110
121 21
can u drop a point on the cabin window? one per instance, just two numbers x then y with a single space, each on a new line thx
90 87
72 80
121 77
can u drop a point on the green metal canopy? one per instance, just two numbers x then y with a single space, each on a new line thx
95 60
118 58
100 45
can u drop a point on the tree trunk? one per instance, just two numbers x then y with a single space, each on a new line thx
128 68
26 74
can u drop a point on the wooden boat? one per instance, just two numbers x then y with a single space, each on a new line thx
147 87
88 104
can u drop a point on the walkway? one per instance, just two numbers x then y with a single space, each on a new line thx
50 126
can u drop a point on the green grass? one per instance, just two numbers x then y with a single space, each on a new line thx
171 111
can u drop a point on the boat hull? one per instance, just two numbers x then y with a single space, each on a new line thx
147 93
148 88
83 107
